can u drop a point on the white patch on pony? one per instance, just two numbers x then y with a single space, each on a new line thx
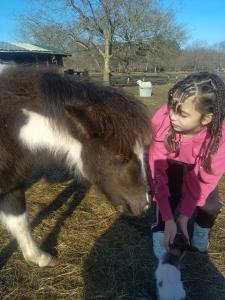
38 133
139 151
169 284
18 226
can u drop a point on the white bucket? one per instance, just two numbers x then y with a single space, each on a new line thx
145 91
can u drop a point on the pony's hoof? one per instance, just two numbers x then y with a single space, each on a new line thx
45 260
53 263
41 259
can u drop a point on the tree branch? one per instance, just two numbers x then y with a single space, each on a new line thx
85 18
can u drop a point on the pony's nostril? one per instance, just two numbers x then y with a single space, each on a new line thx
146 208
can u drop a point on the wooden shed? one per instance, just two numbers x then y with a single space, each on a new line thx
24 53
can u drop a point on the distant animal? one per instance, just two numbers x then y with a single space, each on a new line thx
144 83
168 275
98 132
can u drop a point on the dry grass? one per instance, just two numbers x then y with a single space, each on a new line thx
101 253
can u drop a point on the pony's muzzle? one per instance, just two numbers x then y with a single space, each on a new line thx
148 203
144 207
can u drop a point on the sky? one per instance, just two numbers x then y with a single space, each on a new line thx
203 19
8 24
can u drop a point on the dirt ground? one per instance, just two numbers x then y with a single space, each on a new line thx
101 253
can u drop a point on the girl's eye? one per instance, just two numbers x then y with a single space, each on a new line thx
183 116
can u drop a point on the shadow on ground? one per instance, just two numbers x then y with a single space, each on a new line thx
202 279
121 266
121 263
76 190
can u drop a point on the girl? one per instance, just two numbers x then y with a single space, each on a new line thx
187 160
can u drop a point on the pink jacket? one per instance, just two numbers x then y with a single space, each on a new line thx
194 191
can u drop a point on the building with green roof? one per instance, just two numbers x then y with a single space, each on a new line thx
24 53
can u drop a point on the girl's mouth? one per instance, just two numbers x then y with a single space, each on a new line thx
177 128
174 125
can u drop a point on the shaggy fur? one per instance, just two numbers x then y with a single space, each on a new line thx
98 132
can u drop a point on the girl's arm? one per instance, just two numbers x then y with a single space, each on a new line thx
158 162
160 187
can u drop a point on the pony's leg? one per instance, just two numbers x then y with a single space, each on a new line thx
13 215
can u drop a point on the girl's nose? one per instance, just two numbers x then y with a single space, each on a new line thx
172 115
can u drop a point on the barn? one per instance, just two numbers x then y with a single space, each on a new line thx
23 53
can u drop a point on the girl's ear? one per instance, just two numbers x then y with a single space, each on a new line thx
207 119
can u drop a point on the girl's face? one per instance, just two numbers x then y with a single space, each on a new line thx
185 118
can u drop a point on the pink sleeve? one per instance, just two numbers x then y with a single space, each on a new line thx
158 163
161 189
196 190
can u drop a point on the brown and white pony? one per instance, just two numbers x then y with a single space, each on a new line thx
98 132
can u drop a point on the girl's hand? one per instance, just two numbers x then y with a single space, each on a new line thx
182 222
169 233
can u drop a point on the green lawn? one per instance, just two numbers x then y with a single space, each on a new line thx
159 96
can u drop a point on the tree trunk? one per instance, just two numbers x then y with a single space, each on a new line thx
106 70
107 57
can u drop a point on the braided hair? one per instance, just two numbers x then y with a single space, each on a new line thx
208 90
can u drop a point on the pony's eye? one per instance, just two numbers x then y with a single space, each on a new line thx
126 159
122 159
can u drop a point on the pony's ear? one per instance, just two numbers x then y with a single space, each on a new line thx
86 119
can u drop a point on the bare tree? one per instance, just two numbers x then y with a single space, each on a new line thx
96 25
220 55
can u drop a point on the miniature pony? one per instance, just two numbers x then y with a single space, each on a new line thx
98 132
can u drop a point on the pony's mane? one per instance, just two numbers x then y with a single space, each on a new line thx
121 119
